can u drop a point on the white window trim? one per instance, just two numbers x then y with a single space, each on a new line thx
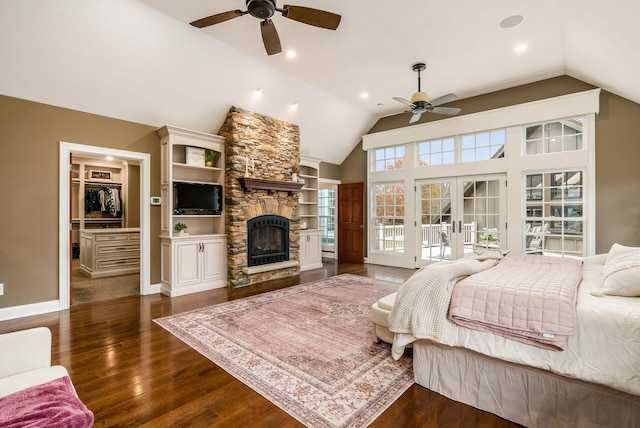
334 254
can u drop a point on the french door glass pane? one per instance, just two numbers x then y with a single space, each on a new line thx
481 223
435 220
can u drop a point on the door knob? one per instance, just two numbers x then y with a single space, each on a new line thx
361 226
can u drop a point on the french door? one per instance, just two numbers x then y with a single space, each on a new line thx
458 214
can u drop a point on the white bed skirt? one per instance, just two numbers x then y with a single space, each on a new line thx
525 395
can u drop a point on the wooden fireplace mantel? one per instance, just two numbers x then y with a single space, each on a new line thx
252 183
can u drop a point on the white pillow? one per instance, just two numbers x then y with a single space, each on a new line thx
621 275
617 249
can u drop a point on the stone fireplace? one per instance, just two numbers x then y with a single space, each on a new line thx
264 150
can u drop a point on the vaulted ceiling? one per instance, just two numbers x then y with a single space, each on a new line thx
142 61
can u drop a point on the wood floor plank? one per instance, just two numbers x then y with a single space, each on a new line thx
131 372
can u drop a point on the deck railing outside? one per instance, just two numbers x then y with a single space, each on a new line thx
391 237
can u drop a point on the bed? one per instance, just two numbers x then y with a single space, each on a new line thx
594 381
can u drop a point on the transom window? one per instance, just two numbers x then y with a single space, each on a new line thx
483 146
389 217
552 137
389 158
462 148
437 152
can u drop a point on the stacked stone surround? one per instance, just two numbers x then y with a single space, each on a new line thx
274 146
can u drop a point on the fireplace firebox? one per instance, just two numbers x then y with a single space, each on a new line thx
268 240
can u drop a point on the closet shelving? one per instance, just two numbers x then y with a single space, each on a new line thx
81 183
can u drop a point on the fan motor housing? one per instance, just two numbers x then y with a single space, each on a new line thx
262 9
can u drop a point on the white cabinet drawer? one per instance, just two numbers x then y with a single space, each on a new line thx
119 249
117 263
112 237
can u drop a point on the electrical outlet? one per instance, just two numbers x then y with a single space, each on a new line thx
1 289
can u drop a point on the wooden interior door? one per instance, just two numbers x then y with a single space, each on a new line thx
351 229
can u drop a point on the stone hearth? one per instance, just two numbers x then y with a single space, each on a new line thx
274 147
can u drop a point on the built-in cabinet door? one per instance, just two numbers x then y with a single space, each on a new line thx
310 249
213 259
315 248
187 264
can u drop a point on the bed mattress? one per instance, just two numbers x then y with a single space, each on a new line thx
605 348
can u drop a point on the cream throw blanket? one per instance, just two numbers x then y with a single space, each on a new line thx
422 303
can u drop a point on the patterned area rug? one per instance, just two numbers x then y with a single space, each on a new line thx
308 349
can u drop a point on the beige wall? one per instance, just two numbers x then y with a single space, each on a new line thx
617 152
329 170
617 173
29 150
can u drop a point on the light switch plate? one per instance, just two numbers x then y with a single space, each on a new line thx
156 200
1 289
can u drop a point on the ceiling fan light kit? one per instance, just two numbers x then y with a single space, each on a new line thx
264 10
420 102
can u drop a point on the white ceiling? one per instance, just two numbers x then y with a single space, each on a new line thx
141 61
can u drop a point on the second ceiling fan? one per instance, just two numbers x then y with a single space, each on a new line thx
420 104
264 10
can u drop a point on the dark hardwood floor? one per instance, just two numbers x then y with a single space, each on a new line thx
131 372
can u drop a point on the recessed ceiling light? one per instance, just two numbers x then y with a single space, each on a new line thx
257 92
511 21
364 95
521 48
294 106
291 53
380 105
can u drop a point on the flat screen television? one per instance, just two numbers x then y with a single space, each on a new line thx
197 199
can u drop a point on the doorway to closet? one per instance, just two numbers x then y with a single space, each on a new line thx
105 231
103 212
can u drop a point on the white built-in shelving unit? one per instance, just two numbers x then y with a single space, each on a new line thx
196 261
310 234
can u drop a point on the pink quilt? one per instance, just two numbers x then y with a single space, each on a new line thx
529 298
51 404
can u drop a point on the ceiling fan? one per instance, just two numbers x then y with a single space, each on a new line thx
264 10
419 102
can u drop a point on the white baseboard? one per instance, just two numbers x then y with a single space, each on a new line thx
152 289
40 308
29 310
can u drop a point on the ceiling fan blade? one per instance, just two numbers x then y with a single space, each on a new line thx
218 18
415 117
310 16
450 111
270 37
443 99
403 101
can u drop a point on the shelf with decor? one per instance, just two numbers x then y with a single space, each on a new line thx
192 191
